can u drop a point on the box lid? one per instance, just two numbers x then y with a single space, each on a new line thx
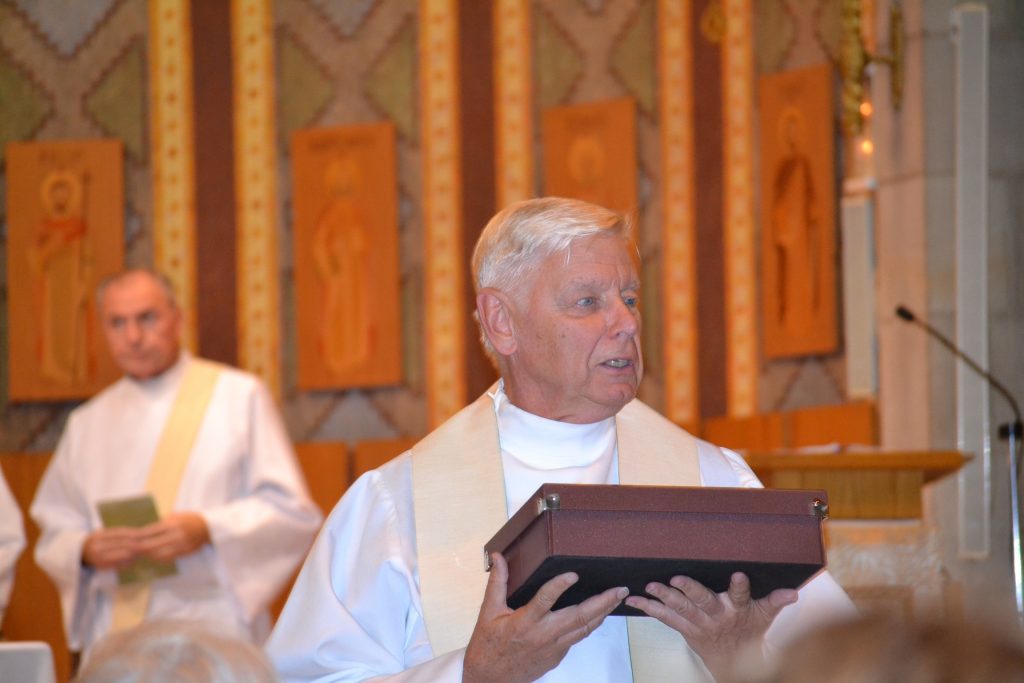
635 498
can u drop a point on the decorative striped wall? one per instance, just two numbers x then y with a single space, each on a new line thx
513 101
173 154
256 161
342 63
678 231
442 218
738 195
174 135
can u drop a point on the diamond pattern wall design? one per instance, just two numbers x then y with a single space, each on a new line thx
632 58
828 26
305 88
559 63
345 16
776 34
65 24
118 102
24 105
391 82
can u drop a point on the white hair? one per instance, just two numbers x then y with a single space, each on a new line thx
157 276
175 651
525 233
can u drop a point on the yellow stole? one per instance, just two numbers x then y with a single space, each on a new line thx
165 472
459 502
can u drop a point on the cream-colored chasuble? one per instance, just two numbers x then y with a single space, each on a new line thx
172 453
458 469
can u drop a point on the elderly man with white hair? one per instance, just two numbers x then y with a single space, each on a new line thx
393 589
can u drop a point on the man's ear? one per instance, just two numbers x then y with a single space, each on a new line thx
494 310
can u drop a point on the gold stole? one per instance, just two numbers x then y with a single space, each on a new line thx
459 502
165 472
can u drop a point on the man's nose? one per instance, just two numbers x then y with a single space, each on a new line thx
132 331
625 319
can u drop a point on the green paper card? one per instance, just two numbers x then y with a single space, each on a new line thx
135 512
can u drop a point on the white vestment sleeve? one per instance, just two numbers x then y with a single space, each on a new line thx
261 535
821 599
12 542
63 517
354 613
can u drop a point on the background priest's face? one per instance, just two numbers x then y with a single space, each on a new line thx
575 333
142 325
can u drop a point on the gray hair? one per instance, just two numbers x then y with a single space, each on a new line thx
525 233
158 277
175 651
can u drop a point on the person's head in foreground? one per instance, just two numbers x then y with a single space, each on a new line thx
175 651
881 649
557 294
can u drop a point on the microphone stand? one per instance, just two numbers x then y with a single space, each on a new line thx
1011 432
1008 431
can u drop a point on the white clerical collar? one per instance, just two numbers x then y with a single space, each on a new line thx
169 378
546 444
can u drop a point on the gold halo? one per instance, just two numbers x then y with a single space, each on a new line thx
73 206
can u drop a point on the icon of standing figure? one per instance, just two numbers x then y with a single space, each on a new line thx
61 261
340 246
795 231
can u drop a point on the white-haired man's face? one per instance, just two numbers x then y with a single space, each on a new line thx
570 343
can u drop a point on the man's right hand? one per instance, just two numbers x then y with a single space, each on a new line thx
110 548
524 644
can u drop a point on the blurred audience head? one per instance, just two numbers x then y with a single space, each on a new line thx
166 651
883 649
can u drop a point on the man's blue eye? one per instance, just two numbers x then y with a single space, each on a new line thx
632 301
586 301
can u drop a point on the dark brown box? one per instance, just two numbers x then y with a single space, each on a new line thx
633 535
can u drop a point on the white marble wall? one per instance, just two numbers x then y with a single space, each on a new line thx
916 266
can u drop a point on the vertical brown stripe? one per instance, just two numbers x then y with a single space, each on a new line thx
215 180
476 104
711 357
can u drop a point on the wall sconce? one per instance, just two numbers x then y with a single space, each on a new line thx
854 59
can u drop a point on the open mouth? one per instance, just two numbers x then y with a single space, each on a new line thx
618 363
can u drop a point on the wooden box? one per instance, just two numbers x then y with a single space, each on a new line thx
633 535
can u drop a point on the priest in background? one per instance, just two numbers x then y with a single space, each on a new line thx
233 515
394 587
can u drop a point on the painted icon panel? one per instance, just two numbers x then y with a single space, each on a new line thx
346 256
65 209
798 240
590 153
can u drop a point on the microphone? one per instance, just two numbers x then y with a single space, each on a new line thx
906 314
1011 432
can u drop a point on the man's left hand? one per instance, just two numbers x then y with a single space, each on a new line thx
716 626
177 534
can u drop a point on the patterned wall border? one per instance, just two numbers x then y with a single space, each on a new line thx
174 210
256 190
442 217
513 89
740 271
679 217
